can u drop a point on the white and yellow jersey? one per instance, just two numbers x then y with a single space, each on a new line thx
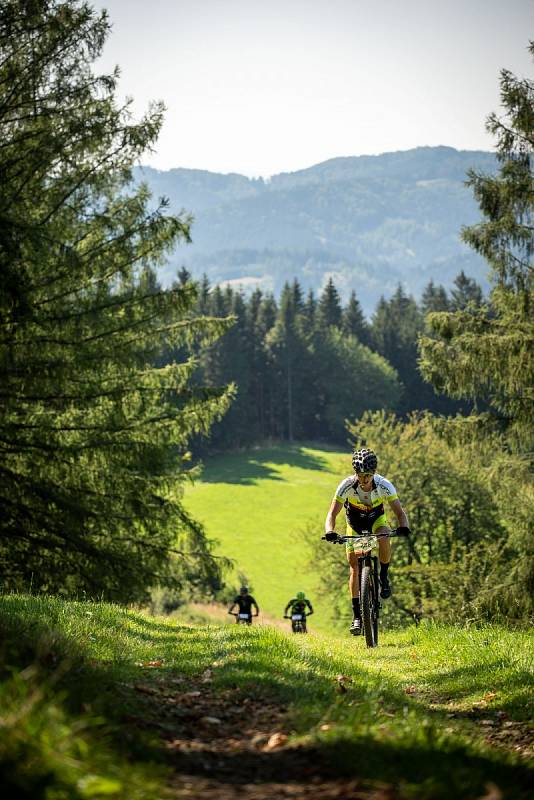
365 509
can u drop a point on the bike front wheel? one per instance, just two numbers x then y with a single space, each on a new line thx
369 607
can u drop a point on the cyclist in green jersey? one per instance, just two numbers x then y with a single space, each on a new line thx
363 497
299 605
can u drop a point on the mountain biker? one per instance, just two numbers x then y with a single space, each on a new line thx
244 601
298 605
363 497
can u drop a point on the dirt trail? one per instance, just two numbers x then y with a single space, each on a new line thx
219 613
228 746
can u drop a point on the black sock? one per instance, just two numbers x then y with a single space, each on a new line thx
383 571
356 607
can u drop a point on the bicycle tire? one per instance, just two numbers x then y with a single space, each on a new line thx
370 626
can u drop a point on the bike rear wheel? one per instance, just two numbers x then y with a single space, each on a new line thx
369 607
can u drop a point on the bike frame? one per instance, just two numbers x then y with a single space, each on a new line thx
241 619
369 596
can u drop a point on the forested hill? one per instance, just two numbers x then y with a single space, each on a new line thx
369 222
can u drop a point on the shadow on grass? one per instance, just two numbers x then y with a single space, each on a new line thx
248 468
436 775
91 685
509 692
455 772
376 731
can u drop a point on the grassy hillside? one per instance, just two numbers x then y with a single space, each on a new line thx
98 701
257 505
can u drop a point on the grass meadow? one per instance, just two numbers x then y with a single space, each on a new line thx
259 506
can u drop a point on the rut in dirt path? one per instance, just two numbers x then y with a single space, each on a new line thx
228 745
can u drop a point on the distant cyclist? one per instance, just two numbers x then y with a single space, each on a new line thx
363 497
299 605
244 601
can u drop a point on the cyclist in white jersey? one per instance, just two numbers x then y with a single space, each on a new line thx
363 497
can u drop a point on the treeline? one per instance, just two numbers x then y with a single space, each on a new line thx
303 365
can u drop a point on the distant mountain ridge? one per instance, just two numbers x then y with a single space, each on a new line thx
369 222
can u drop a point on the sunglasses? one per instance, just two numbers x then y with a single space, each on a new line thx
364 475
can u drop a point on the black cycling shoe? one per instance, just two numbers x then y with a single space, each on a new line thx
385 589
356 627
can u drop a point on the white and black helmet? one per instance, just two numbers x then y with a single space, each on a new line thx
364 460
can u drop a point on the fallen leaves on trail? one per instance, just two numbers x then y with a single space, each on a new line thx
342 680
492 792
150 664
145 689
259 739
487 698
276 740
227 746
293 788
513 735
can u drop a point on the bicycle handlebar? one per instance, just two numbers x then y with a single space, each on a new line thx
305 614
237 613
368 538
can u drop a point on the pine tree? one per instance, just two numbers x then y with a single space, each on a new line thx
353 321
467 293
296 296
434 298
310 306
329 306
93 436
267 314
286 347
396 326
265 321
203 297
489 352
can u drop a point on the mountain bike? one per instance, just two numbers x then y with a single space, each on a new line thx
298 622
369 583
241 618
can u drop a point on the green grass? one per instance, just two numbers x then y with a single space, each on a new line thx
256 504
413 712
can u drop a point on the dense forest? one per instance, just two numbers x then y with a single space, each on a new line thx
304 365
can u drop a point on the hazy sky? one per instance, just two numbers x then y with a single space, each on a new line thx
267 86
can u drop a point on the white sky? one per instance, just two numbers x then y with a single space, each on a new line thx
267 86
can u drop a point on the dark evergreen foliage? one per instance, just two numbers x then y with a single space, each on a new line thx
353 321
434 298
466 293
329 306
302 366
93 436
